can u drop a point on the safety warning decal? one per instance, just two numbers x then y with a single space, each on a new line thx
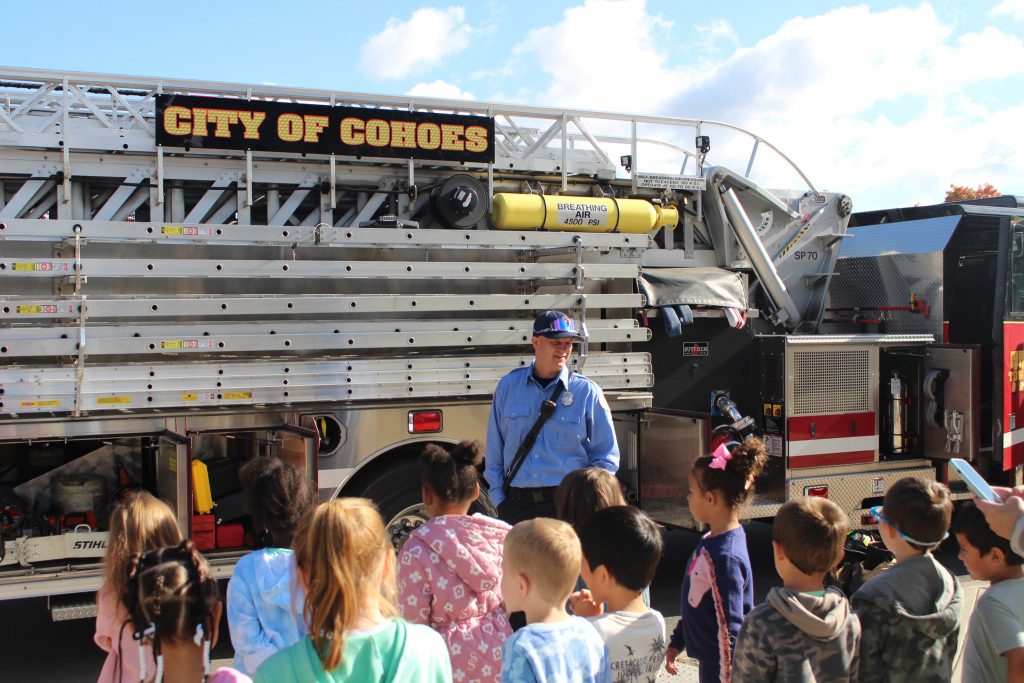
113 400
40 266
236 395
185 344
40 404
186 231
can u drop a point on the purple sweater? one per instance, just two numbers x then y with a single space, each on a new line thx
717 594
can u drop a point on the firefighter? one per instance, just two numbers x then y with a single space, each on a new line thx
545 422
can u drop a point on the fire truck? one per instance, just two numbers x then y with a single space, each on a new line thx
193 274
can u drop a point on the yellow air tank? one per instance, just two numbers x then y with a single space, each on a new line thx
579 214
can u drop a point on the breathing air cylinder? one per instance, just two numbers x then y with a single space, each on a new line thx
579 214
897 431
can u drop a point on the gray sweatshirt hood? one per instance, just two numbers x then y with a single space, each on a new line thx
822 617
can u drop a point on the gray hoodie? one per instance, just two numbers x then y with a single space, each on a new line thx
910 618
798 638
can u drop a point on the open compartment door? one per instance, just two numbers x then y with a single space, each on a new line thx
299 446
172 463
669 443
950 399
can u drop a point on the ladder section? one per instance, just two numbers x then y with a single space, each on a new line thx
138 316
102 161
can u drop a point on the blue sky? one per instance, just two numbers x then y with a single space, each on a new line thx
887 101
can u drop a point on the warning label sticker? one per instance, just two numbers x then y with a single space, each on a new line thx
235 395
186 344
41 266
667 181
40 404
42 309
583 213
185 231
113 400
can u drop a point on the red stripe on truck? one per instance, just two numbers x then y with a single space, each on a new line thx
830 426
826 459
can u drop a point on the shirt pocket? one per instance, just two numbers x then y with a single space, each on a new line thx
518 419
569 426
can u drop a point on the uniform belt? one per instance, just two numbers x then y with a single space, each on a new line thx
543 494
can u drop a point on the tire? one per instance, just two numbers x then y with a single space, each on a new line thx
396 491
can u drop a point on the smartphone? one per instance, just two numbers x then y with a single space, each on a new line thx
974 482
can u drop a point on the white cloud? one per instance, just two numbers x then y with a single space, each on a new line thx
423 41
602 55
1011 8
886 124
440 89
708 39
889 106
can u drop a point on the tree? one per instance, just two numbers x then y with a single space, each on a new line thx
958 193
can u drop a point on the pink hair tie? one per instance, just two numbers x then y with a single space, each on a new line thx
720 457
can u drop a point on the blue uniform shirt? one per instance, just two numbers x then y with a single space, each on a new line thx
576 435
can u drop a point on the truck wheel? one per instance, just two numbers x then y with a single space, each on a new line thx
396 491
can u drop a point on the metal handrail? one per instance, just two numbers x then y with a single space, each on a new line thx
120 86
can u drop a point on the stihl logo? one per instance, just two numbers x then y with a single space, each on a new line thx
90 545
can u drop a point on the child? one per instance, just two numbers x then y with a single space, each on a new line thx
585 491
582 493
175 608
910 613
449 573
621 550
346 563
802 633
138 524
538 571
263 603
718 589
995 638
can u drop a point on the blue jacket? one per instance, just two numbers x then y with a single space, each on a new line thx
263 617
579 433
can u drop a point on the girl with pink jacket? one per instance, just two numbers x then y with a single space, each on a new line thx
449 572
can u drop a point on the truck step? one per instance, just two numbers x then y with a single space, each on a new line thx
67 610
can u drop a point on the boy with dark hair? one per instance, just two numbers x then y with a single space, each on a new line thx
910 613
621 551
995 637
802 632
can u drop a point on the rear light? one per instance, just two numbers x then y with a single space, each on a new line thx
816 491
424 421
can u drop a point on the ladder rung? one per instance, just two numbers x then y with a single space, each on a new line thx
320 304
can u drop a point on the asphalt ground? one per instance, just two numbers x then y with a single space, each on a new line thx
36 649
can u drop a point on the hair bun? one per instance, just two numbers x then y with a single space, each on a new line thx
749 458
467 453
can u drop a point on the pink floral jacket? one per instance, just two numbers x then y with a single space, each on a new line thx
449 577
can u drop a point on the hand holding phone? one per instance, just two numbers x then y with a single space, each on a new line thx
975 483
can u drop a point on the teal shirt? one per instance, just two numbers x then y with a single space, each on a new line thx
395 651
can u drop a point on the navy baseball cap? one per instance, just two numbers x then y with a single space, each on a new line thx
555 325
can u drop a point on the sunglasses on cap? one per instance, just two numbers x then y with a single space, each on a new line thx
564 324
554 325
876 513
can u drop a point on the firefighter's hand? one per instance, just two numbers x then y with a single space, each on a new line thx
1002 516
670 660
583 604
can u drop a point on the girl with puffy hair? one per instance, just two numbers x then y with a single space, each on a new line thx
449 572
